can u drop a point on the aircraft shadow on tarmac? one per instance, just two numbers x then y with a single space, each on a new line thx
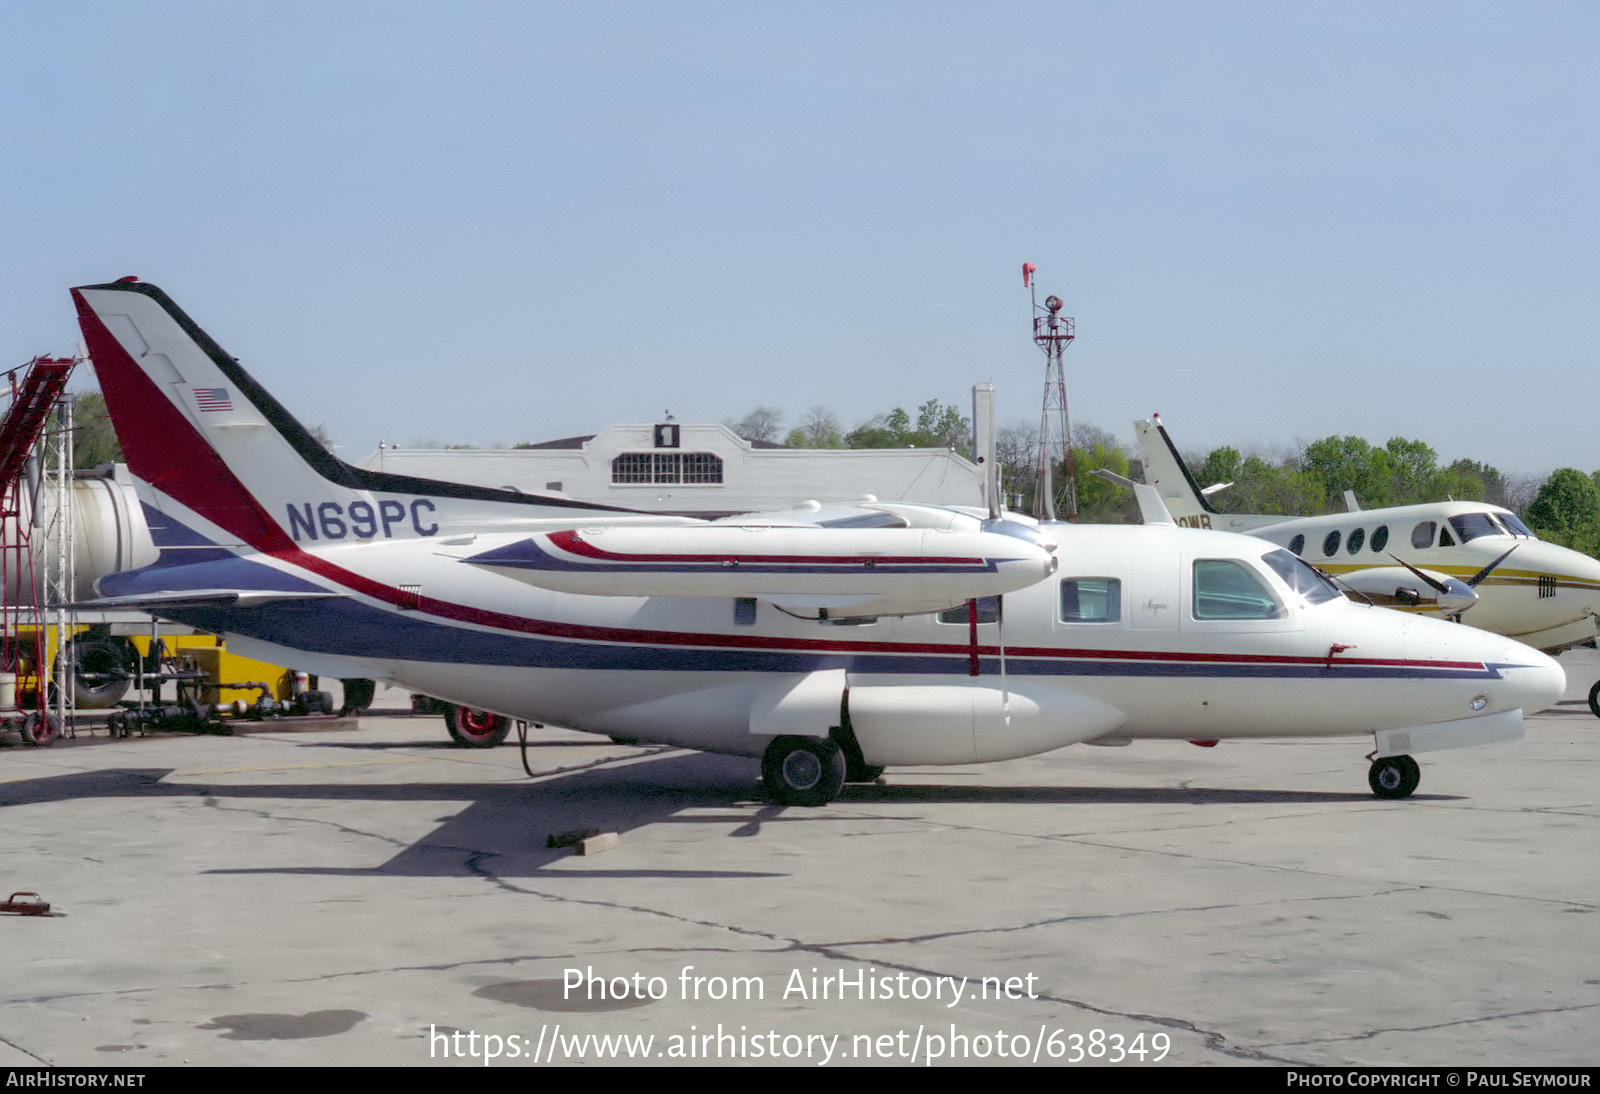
502 830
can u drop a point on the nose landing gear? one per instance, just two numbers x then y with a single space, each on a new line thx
1394 776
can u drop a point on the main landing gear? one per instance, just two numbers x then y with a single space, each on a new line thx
1394 776
476 728
803 770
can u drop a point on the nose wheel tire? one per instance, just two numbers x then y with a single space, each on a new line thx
803 770
1394 776
1594 699
476 728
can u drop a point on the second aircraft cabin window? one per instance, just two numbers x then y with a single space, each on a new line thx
1330 543
1422 535
1091 600
1225 589
1357 538
1380 537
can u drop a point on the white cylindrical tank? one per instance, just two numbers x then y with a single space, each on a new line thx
108 529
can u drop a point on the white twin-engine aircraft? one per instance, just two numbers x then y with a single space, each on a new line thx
829 642
1440 558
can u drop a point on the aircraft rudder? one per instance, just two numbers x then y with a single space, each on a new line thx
192 422
1165 470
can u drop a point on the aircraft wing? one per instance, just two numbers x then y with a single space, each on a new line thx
879 560
1408 588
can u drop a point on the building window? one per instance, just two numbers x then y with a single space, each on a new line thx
638 468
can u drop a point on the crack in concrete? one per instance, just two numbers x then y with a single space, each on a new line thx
1057 920
9 1043
1480 1020
214 803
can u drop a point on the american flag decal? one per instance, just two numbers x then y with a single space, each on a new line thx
212 398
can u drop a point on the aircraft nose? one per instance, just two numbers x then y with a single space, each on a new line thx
1532 680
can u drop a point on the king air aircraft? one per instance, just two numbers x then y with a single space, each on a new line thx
1440 558
830 643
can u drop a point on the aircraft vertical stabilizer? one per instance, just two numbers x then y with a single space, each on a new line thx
211 438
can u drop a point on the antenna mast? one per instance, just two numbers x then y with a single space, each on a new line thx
1052 332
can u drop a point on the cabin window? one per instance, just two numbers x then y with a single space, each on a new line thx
988 612
1444 537
1091 600
1357 538
1297 544
1330 545
1380 537
1226 589
1422 534
645 468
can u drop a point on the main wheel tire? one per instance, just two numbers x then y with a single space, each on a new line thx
102 673
1594 699
803 770
476 728
358 695
1394 776
40 731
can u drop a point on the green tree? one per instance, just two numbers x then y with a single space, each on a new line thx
1099 501
1337 464
937 426
1567 510
1222 465
1265 487
94 441
818 429
1261 485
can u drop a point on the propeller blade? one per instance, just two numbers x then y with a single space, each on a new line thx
1432 584
1472 582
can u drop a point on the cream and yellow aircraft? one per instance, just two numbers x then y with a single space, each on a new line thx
1440 558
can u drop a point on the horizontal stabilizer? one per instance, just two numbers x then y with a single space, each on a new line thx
156 603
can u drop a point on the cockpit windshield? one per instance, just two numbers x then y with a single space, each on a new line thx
1516 526
1301 577
1469 526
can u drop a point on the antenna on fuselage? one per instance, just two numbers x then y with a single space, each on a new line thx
1053 333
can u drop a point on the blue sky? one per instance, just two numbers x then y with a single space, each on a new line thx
485 222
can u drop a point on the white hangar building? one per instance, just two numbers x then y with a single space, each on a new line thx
698 470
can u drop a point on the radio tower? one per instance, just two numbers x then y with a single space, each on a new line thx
1052 332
